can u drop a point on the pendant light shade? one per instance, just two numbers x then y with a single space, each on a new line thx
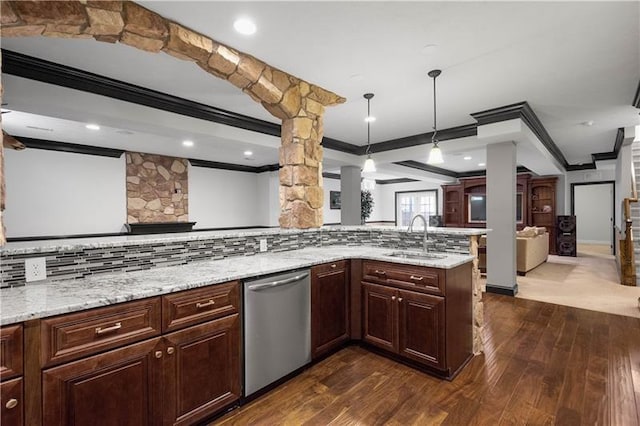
435 155
369 164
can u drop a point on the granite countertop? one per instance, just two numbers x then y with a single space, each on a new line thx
48 246
45 299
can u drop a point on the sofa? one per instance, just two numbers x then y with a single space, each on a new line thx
532 249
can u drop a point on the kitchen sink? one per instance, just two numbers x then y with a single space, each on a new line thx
415 255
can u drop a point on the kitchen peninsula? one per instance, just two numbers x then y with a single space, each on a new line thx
75 325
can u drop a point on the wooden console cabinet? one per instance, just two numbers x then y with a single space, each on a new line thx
329 307
538 203
423 315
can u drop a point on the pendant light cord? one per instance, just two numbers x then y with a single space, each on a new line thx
435 127
368 125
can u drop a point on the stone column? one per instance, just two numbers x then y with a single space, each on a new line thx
301 195
501 218
478 305
350 195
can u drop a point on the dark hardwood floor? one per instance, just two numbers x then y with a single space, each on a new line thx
543 364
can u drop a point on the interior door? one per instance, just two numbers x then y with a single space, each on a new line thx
593 208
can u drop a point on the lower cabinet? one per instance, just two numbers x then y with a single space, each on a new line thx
407 323
120 387
202 370
12 408
421 314
177 378
329 307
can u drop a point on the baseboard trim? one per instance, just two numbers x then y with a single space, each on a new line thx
502 290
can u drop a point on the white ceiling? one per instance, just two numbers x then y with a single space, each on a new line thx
572 61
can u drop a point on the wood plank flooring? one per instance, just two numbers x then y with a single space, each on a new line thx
543 364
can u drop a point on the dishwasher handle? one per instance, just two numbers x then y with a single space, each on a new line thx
277 283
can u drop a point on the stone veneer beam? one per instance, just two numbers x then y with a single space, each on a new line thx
299 104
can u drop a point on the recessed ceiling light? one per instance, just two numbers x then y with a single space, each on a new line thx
187 143
588 123
481 164
428 48
370 119
467 158
92 127
244 26
248 153
356 77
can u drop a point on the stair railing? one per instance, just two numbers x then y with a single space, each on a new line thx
627 252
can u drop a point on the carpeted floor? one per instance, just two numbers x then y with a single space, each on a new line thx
589 281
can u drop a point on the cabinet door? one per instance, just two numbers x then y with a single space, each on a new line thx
421 327
116 388
379 316
12 408
329 307
202 370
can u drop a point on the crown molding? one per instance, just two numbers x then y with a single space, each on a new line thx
73 148
523 111
328 175
233 167
636 98
394 181
427 168
423 138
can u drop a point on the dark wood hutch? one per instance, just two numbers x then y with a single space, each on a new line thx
538 203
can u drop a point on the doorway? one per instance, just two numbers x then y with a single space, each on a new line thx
593 204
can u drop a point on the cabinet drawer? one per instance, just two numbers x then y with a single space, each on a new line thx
72 336
10 351
418 278
12 403
340 265
191 307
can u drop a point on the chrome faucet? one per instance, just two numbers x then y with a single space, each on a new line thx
426 233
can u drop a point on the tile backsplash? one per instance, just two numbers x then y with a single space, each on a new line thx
79 261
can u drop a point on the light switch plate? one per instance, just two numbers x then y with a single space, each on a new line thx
263 245
35 269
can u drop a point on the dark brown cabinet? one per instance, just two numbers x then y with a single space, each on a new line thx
329 307
12 408
202 370
421 327
407 323
380 313
453 205
179 378
543 207
116 388
421 314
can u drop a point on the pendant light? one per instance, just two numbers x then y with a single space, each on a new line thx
435 155
369 164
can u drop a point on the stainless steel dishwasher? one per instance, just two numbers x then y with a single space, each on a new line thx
277 328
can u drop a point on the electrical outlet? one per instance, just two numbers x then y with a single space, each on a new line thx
35 269
263 245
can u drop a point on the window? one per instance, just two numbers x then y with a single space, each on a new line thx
409 204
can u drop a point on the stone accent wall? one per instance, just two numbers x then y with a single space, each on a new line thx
157 188
478 304
298 103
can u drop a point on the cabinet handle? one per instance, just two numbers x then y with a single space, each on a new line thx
158 354
12 403
393 298
399 299
116 326
414 278
201 305
380 272
334 266
170 350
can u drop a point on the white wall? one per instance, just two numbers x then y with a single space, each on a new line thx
329 215
269 198
224 198
58 193
593 208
